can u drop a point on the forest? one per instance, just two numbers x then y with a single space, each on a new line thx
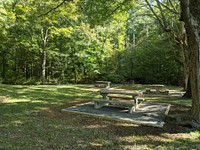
60 42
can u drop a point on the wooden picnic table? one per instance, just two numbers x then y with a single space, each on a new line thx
159 88
132 104
104 83
105 92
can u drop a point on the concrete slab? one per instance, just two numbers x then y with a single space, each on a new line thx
148 114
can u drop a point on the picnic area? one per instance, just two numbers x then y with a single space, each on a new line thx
32 117
99 75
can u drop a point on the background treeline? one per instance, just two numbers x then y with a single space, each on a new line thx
68 46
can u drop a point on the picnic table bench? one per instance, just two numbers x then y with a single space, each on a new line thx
98 103
105 84
116 97
157 89
132 103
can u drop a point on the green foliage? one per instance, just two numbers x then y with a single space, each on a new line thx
155 62
84 41
101 11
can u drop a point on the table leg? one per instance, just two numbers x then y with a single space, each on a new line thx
157 90
104 96
136 104
135 98
108 86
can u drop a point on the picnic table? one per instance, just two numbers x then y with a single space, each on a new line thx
105 84
132 104
105 92
157 89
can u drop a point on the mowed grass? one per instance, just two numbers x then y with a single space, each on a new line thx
31 118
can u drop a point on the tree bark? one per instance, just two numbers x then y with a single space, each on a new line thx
43 67
188 93
190 15
186 61
3 73
44 34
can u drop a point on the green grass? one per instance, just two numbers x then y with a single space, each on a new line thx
163 99
31 118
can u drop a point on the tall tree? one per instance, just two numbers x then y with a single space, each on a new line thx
190 15
167 13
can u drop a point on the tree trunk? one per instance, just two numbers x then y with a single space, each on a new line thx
3 66
43 67
75 75
191 17
182 40
188 93
44 34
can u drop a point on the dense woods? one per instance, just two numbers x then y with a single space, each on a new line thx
79 42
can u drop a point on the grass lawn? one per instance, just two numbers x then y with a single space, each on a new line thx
31 118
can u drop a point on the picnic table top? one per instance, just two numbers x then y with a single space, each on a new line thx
156 85
125 92
103 82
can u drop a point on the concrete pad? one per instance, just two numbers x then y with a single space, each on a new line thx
148 114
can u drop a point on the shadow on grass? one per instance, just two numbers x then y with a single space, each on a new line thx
48 94
53 129
113 134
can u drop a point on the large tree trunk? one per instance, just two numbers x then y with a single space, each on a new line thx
182 41
190 15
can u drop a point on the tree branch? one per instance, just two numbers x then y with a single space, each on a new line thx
173 6
139 15
162 14
116 8
157 17
54 8
173 11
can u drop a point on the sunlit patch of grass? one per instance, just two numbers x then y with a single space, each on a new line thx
195 134
3 99
95 144
96 126
17 100
124 124
164 142
17 122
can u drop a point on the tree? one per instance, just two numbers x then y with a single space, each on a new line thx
167 13
190 15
